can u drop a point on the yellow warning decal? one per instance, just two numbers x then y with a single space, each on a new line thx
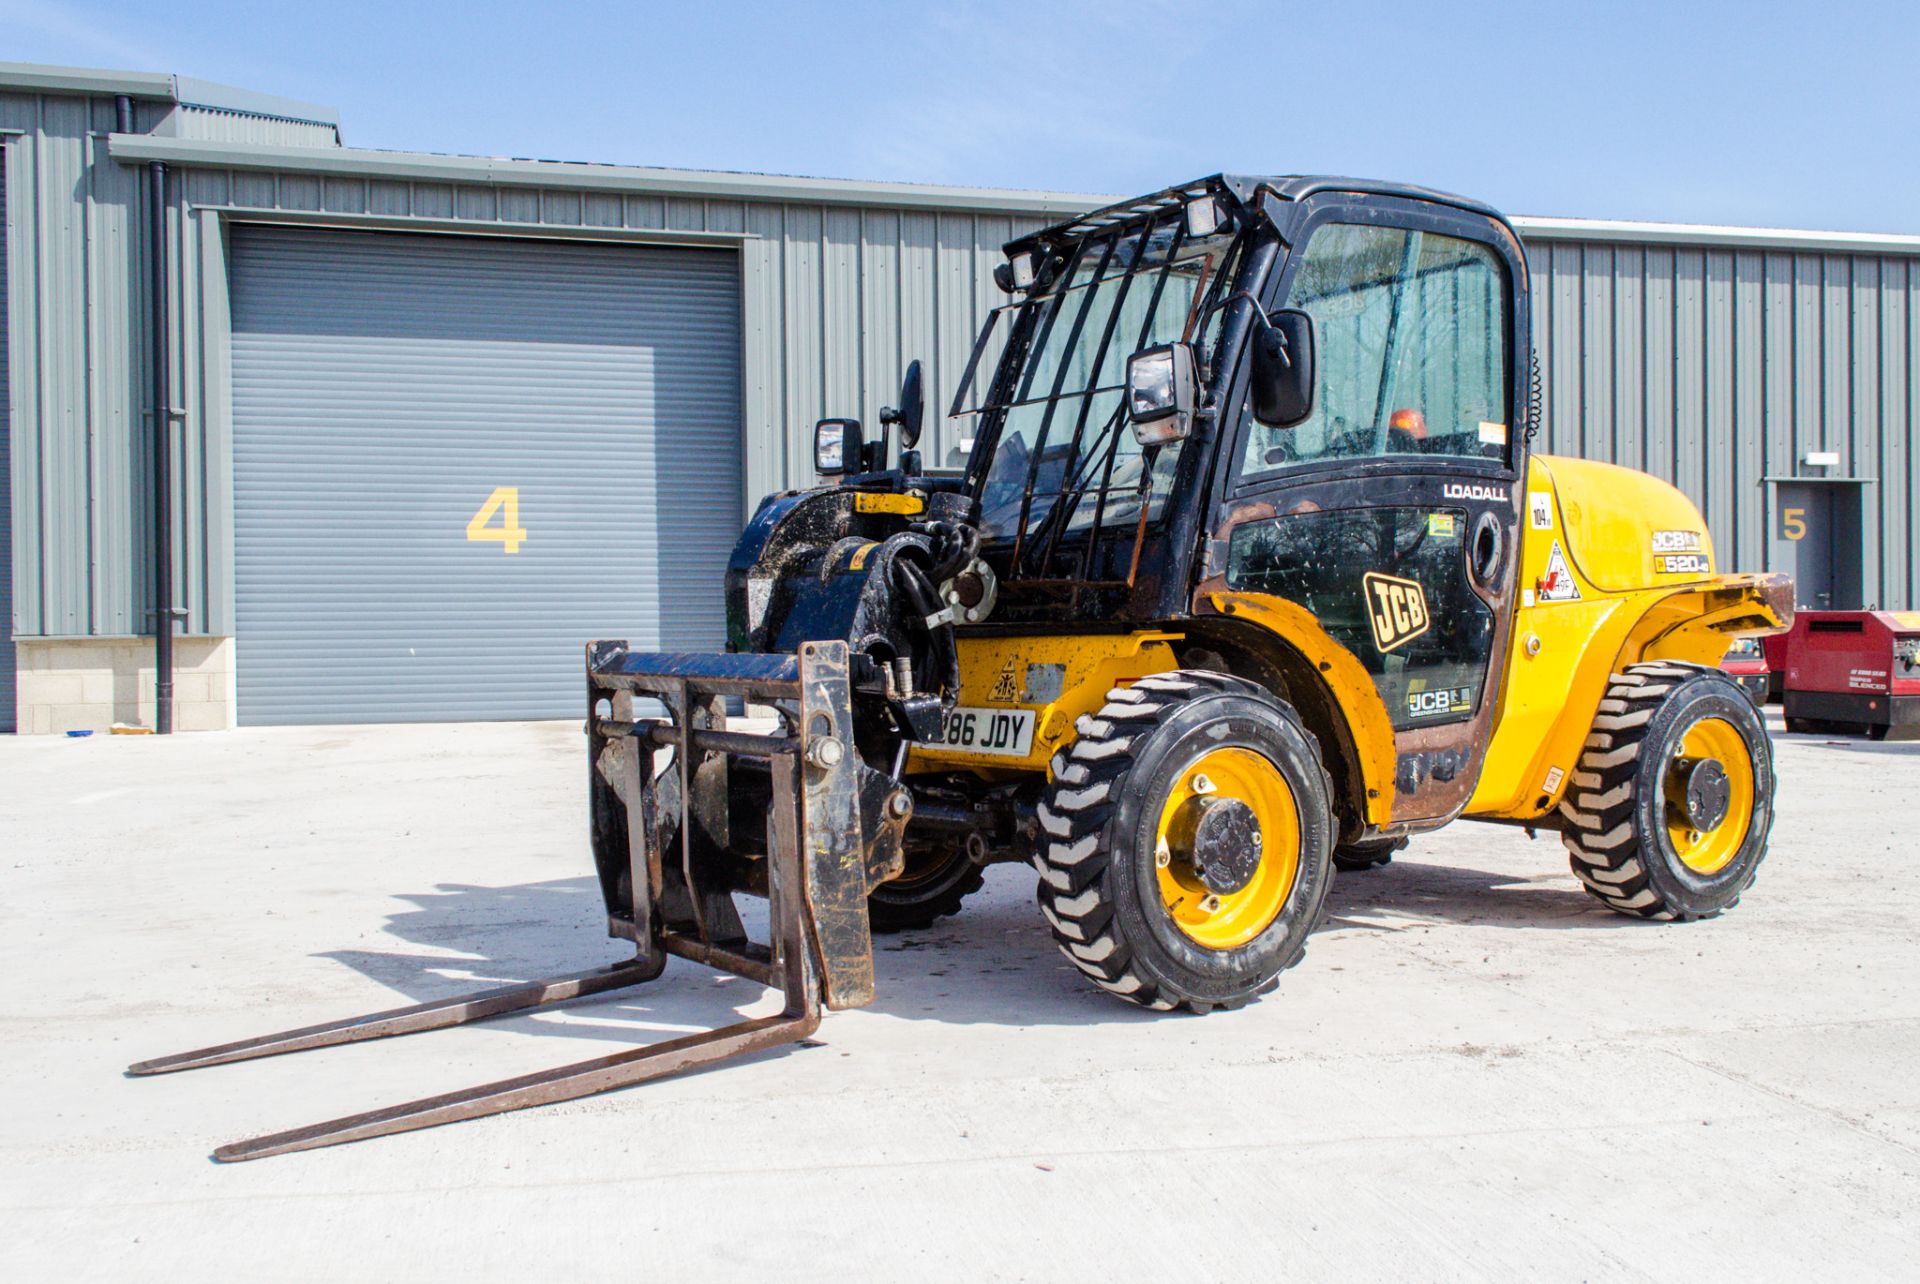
887 502
1006 687
859 558
1558 584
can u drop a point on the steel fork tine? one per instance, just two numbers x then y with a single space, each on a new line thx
581 1079
436 1015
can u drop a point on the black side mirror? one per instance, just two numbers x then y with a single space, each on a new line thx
838 447
1282 375
913 407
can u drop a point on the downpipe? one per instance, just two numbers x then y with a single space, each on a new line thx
160 359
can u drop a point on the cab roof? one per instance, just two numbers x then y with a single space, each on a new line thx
1243 192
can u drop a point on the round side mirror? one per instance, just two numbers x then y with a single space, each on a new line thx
913 406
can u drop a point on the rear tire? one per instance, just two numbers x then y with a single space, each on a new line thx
1630 838
1369 853
1140 928
936 879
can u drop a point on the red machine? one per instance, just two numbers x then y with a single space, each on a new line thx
1853 672
1746 664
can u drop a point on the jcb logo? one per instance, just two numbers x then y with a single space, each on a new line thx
1397 609
1426 704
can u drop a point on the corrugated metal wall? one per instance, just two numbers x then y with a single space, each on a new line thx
190 120
1714 368
80 513
6 484
1662 357
836 300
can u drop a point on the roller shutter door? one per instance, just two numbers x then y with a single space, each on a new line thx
457 459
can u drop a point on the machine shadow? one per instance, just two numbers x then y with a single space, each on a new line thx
1410 891
1904 747
995 963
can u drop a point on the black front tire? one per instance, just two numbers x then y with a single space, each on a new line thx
1099 884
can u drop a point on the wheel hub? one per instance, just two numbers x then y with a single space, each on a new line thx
1220 839
1227 847
1707 790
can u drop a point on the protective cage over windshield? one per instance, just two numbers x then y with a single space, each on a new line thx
1059 473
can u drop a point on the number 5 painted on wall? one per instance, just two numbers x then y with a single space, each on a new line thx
505 500
1793 523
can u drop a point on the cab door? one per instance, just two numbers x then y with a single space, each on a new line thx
1392 513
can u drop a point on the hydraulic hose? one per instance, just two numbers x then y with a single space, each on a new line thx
953 547
919 592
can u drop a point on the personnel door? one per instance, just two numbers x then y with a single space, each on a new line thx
1817 539
1392 512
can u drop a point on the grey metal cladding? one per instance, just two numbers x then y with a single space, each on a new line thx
384 385
1659 343
6 485
79 445
888 283
221 124
1716 367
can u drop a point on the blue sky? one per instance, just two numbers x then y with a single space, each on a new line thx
1785 114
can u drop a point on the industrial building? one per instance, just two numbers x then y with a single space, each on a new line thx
434 421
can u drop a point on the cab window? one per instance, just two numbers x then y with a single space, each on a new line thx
1410 349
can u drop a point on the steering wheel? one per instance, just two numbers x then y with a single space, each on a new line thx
1402 442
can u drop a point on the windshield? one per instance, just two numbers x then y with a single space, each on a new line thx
1065 455
1409 349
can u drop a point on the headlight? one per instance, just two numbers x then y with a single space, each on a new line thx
1204 217
837 446
1160 393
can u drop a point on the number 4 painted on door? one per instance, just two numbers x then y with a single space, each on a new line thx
505 500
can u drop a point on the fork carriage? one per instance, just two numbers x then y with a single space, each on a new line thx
830 830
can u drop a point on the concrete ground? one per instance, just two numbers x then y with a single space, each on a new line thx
1475 1073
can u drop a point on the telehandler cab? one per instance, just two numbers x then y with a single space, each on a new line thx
1251 575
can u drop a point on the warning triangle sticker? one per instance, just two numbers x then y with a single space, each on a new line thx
1006 688
1557 585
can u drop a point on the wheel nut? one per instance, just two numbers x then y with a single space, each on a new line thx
1202 785
1162 855
1211 904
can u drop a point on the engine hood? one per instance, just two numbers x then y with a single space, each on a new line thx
1624 530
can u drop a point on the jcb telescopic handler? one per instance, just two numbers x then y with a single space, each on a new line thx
1251 575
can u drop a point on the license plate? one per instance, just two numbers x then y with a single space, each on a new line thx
1001 731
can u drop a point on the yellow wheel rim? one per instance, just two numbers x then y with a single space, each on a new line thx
1708 851
1224 920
